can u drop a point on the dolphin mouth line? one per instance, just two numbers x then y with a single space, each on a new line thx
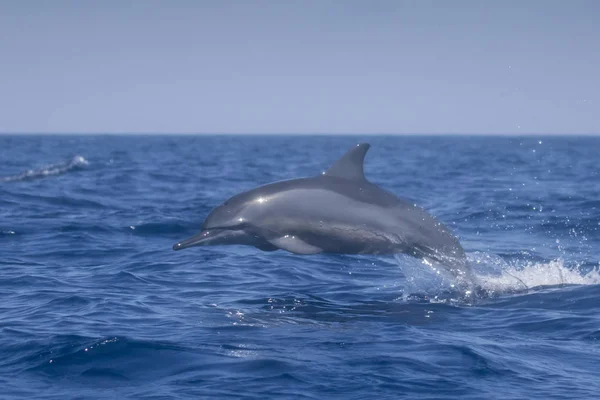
202 238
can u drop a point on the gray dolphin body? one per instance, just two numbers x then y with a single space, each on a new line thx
339 211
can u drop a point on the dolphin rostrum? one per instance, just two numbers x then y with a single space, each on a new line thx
339 211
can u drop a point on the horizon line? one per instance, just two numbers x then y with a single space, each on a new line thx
98 133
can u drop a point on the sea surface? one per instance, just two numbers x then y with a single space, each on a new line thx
94 303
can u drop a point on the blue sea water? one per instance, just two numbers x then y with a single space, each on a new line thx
95 304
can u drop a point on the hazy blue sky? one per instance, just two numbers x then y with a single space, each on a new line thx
300 66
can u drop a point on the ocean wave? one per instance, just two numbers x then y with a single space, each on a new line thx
78 351
60 168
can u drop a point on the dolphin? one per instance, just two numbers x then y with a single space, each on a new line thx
339 211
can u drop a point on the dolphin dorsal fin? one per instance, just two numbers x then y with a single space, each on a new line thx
350 166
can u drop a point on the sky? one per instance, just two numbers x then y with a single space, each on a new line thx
300 66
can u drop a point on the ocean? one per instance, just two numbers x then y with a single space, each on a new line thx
94 303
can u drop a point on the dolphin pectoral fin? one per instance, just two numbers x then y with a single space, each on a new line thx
295 245
266 247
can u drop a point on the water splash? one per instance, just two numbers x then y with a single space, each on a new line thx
60 168
493 277
529 275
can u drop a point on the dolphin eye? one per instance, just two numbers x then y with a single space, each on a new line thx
225 203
